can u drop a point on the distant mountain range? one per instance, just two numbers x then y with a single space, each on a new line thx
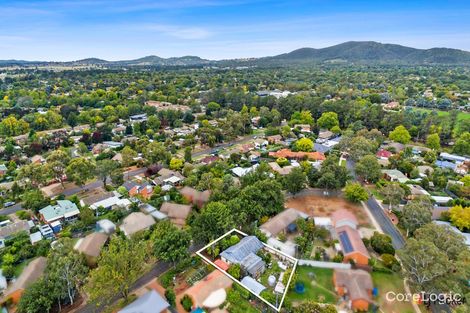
349 52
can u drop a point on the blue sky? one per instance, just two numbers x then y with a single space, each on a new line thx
219 29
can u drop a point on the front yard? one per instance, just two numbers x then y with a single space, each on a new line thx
384 283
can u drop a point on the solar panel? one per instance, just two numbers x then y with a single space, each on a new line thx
345 242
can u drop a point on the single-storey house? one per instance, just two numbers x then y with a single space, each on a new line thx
64 210
3 169
244 254
395 176
194 196
355 285
32 272
150 302
177 213
91 246
10 229
209 292
136 222
288 154
383 154
282 222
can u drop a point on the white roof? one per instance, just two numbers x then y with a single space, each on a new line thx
110 202
172 179
322 221
440 199
242 171
35 237
252 285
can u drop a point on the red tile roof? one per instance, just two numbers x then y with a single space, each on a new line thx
288 154
221 264
384 154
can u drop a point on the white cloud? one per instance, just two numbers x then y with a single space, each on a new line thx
181 32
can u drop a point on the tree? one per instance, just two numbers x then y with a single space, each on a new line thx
443 237
358 147
176 164
128 155
10 127
369 168
304 144
354 192
80 170
66 270
188 155
462 144
105 168
170 243
214 220
187 302
400 134
416 213
57 162
118 267
263 198
382 243
460 216
433 141
34 299
393 194
234 270
33 174
423 263
328 120
295 181
156 152
34 200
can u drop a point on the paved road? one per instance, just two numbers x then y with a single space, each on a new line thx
158 269
12 209
385 223
224 145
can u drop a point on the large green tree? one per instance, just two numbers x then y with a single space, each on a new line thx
170 243
214 220
369 168
80 170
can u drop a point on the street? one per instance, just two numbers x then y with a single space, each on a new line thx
224 145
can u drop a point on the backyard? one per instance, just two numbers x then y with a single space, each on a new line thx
318 284
321 206
385 282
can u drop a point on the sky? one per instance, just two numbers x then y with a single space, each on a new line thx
53 30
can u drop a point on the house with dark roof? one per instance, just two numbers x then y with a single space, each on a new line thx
282 222
244 254
355 286
177 213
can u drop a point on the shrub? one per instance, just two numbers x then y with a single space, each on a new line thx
170 296
382 243
389 260
187 303
234 270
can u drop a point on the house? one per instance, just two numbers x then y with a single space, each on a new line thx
3 170
394 105
325 135
144 190
209 159
394 176
194 196
242 171
138 118
260 143
95 196
244 254
11 229
424 170
440 200
274 139
136 222
383 154
35 237
288 154
280 170
345 229
252 285
396 147
462 168
91 246
209 292
37 159
304 128
282 222
355 286
98 148
32 272
167 176
325 146
112 144
64 210
452 157
111 203
150 302
117 157
417 191
177 213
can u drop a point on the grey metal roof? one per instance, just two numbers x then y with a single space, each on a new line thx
252 284
151 302
252 264
236 253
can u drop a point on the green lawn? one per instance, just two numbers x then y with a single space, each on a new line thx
385 282
460 117
318 287
20 267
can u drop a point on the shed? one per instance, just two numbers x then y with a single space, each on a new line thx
252 285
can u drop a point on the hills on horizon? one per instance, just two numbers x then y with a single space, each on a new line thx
347 52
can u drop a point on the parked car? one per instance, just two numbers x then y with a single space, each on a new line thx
8 204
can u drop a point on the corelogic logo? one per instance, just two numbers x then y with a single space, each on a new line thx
426 298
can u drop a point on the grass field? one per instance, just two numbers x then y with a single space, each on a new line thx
385 282
460 117
318 285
